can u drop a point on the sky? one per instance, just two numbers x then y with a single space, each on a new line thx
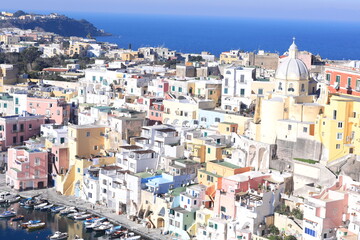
326 10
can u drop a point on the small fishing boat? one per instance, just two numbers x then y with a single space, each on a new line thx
23 201
87 223
72 215
25 224
35 226
29 204
57 209
47 207
103 227
15 199
114 229
40 206
68 210
81 217
117 234
17 218
59 235
8 214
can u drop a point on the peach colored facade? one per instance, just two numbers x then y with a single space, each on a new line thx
59 159
55 109
16 129
28 168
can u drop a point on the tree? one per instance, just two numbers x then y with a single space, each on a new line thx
274 230
290 237
275 237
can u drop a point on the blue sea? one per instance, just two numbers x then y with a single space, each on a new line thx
332 40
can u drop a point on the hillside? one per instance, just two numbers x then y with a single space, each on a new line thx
61 25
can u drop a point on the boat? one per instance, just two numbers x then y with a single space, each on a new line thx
114 229
29 204
23 201
103 227
68 210
8 214
35 226
57 209
40 206
77 238
72 215
117 234
59 235
82 217
15 199
25 224
17 218
47 207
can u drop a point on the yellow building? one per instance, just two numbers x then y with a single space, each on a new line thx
129 56
68 95
77 48
338 128
86 148
8 75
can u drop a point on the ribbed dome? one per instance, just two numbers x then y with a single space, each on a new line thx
292 69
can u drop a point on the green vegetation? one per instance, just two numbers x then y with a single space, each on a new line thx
285 210
306 160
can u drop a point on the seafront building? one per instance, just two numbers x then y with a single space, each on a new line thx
247 146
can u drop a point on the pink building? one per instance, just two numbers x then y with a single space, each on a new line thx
16 129
326 212
156 111
225 199
28 168
55 109
59 158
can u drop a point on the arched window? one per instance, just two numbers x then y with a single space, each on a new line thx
291 87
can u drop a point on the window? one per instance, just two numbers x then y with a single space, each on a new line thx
94 78
203 119
101 78
349 82
211 92
95 147
16 100
78 170
223 209
226 82
37 161
21 127
173 88
21 139
339 136
338 79
62 140
208 150
88 134
5 105
30 126
357 84
305 129
242 92
289 127
217 119
14 140
337 146
16 110
334 114
260 91
225 90
50 104
180 89
1 127
340 124
242 78
89 195
58 112
328 76
310 232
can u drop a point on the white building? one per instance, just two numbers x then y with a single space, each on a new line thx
236 88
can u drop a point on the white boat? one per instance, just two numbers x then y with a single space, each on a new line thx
41 205
82 217
94 223
59 235
68 210
103 227
72 215
113 229
13 199
45 208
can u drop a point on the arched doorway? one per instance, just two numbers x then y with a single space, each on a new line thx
160 222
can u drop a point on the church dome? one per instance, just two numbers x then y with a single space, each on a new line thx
292 68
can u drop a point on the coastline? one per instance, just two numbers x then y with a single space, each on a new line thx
53 197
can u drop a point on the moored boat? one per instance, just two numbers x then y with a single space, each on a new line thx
82 217
72 215
59 235
57 209
7 214
40 206
47 207
68 210
25 224
114 229
103 227
36 226
117 234
15 199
